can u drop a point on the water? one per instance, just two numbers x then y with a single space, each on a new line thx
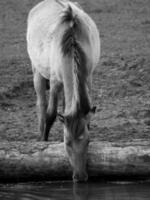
70 191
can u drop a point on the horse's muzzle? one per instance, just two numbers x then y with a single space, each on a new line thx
80 177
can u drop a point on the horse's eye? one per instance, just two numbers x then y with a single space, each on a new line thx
88 141
81 137
69 143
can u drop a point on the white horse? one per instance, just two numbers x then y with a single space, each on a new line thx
64 47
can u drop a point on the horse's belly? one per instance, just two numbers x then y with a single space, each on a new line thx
47 69
46 58
44 71
39 59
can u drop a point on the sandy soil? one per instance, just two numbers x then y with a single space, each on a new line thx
121 85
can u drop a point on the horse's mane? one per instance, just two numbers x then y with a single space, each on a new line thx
71 48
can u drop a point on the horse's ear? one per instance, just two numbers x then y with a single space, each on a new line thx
61 117
93 109
61 3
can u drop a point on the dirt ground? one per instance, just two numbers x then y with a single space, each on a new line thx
121 82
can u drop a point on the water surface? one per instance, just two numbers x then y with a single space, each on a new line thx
70 191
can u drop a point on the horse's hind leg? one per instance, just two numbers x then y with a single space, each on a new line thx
40 88
55 88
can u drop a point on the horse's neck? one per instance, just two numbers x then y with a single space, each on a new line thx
75 91
68 84
74 103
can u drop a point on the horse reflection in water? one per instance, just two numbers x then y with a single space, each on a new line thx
77 191
64 47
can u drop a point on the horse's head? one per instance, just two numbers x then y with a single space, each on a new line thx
76 139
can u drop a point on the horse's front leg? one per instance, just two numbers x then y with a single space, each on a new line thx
40 88
55 88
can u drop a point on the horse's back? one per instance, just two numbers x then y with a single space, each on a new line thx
43 35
